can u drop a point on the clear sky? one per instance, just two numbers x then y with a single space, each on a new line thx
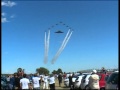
93 43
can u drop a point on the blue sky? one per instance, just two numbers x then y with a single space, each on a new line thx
93 44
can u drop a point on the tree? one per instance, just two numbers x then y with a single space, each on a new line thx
55 72
59 70
42 70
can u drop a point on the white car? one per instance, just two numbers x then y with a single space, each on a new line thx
85 81
112 81
78 81
66 81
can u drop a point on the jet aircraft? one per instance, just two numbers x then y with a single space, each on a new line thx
59 31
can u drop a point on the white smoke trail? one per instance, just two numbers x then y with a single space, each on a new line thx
45 49
62 46
66 41
48 39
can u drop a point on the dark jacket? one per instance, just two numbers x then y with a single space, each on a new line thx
59 77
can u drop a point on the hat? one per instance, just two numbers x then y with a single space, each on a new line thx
94 71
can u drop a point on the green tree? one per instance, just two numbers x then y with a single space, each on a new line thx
59 70
42 70
55 72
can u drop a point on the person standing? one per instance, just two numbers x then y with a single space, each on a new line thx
8 81
41 80
11 85
94 81
73 82
45 84
17 81
24 82
60 79
70 82
52 82
64 76
35 81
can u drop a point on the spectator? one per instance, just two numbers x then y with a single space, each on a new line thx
52 82
41 80
64 76
94 80
8 79
12 80
45 84
103 70
60 79
35 80
24 82
70 82
17 81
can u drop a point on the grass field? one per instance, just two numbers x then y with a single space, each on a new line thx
57 86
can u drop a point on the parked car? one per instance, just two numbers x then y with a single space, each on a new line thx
85 81
112 81
78 81
66 81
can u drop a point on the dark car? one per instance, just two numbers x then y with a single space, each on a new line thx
112 82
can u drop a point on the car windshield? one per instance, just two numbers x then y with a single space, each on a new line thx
113 78
84 76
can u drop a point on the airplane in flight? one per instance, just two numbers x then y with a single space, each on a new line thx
59 31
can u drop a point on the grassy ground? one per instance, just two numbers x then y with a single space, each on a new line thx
57 86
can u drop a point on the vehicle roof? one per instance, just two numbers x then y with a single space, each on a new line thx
86 73
80 76
116 71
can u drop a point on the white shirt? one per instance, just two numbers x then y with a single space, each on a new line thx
8 79
45 79
51 80
94 81
24 82
36 82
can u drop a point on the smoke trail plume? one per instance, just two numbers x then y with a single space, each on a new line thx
48 39
61 45
65 41
46 47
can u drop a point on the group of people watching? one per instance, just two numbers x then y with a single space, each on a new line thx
34 82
